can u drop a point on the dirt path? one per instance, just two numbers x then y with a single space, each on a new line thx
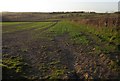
43 56
66 53
85 65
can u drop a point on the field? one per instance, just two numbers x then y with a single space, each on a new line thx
61 48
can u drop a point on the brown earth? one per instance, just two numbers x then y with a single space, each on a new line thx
40 54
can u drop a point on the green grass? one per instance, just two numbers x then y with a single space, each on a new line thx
66 27
15 27
12 23
56 73
105 34
0 23
106 39
14 63
80 40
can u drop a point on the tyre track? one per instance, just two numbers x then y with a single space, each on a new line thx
85 65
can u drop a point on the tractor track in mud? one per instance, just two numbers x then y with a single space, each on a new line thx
84 64
36 52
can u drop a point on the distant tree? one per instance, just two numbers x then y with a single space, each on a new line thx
117 12
81 12
92 12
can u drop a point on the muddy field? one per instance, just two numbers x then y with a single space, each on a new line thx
60 49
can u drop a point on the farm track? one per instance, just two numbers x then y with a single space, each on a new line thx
84 64
41 52
48 27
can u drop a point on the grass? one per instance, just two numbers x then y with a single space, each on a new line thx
108 37
12 23
14 28
103 34
54 62
14 67
66 27
80 40
56 74
14 63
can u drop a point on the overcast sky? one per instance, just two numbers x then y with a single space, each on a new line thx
58 5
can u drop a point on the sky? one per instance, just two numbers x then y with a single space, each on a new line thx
58 5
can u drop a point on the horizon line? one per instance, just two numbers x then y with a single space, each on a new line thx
60 11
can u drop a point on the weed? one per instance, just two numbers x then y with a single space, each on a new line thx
56 74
